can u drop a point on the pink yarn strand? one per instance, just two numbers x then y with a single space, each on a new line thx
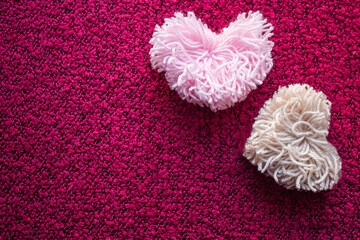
208 69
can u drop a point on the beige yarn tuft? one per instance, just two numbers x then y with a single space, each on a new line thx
288 140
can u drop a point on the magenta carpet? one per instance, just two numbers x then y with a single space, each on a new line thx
94 144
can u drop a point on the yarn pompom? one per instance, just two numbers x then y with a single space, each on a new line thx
215 70
288 140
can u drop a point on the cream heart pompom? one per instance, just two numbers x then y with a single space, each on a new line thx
288 140
215 70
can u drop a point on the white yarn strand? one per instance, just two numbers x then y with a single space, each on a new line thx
288 141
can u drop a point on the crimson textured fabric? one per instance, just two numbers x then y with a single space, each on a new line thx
95 145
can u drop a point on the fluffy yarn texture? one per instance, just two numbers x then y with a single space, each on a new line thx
215 70
289 143
95 145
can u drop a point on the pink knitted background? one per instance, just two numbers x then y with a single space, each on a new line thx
95 145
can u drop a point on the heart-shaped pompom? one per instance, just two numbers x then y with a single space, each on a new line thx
288 140
215 70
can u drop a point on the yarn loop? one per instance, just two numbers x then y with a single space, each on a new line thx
208 69
288 141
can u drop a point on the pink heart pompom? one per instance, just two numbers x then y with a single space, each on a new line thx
215 70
